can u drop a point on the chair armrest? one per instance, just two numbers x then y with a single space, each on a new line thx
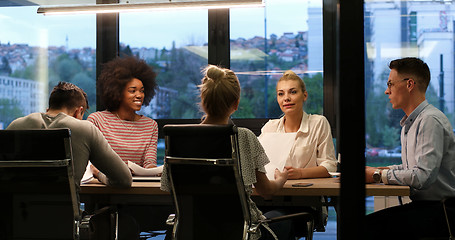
305 215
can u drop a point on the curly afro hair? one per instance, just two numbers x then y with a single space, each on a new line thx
117 73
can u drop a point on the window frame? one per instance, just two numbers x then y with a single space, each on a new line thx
343 62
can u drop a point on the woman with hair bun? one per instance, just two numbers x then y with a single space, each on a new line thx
312 154
220 96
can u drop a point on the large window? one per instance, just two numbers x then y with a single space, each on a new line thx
36 53
175 44
282 35
265 42
396 29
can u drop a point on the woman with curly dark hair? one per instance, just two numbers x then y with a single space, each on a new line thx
126 85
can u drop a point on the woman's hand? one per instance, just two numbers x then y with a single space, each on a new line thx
153 166
265 187
294 173
310 172
281 177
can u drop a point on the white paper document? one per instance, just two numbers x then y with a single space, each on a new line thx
277 146
88 175
140 171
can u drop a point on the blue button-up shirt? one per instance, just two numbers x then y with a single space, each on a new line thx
428 155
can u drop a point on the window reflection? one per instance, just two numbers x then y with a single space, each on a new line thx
175 44
36 53
285 35
396 29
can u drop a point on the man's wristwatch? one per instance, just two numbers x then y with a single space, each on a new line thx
377 176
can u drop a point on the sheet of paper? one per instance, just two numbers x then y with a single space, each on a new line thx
277 146
140 171
88 176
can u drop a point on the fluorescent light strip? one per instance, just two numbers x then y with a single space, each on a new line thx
141 7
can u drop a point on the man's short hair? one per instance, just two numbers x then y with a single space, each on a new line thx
67 95
416 69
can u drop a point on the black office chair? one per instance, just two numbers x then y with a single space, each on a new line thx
37 189
206 185
449 211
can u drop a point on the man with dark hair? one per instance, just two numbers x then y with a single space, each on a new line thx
67 104
428 160
67 95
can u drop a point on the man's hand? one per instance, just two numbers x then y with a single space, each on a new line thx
94 170
369 174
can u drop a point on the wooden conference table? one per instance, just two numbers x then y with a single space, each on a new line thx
147 191
149 194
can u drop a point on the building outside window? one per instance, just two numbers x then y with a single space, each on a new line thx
265 42
174 43
37 52
397 29
280 36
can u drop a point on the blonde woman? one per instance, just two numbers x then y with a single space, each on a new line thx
220 96
312 154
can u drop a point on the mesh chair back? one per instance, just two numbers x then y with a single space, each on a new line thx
37 185
207 187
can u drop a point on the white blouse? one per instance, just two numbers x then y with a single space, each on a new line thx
313 145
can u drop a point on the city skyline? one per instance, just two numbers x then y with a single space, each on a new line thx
162 27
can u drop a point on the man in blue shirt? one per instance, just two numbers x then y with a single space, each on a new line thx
428 159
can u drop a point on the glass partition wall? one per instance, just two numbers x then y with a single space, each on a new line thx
397 29
38 51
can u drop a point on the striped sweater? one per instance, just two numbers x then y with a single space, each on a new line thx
134 141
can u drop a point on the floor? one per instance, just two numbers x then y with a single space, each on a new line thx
329 234
331 228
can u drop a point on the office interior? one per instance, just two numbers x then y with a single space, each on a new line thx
353 41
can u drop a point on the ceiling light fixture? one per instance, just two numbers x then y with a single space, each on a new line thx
141 7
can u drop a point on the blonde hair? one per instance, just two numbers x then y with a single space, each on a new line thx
219 90
290 75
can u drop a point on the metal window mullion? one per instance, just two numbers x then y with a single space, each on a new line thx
218 37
